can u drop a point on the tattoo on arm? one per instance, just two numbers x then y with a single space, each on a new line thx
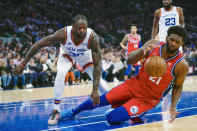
137 55
96 56
58 36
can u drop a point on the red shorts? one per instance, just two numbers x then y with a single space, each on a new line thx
134 104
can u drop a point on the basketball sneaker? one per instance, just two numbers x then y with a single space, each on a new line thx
54 117
68 114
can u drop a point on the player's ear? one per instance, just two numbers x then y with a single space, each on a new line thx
182 42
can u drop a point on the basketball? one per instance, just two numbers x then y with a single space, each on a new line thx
155 66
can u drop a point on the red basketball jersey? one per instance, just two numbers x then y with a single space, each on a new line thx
133 44
157 87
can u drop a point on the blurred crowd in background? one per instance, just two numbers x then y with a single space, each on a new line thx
22 23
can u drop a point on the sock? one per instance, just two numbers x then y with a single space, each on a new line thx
57 105
88 105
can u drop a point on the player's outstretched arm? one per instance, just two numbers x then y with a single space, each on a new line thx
58 36
142 52
180 73
96 56
155 24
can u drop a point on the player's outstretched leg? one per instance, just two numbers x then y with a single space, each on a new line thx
113 115
86 105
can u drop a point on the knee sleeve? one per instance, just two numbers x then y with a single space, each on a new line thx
118 115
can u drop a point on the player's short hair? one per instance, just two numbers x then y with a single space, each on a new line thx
171 0
178 30
79 17
134 25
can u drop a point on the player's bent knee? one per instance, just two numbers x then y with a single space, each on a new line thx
114 116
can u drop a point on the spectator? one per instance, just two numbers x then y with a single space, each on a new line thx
19 80
42 72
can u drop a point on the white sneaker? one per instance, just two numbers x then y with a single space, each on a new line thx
27 85
54 118
30 85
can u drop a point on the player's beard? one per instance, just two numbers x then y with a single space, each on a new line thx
78 35
167 6
170 50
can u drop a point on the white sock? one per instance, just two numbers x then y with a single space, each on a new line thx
57 105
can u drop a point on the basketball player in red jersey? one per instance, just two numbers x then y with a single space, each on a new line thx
136 96
132 41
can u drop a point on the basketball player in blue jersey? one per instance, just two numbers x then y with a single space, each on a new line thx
165 17
78 44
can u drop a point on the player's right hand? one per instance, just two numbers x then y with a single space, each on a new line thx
173 114
18 69
95 98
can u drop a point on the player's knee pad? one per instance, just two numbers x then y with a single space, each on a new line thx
114 116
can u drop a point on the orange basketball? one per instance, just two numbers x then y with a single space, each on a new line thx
155 66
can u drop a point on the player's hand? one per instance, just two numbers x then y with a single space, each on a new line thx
173 114
18 69
149 47
95 98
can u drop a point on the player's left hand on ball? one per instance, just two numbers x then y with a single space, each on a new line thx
173 114
95 98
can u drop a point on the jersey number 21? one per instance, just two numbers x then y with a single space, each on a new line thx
156 80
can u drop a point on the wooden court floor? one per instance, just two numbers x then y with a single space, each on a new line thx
188 123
